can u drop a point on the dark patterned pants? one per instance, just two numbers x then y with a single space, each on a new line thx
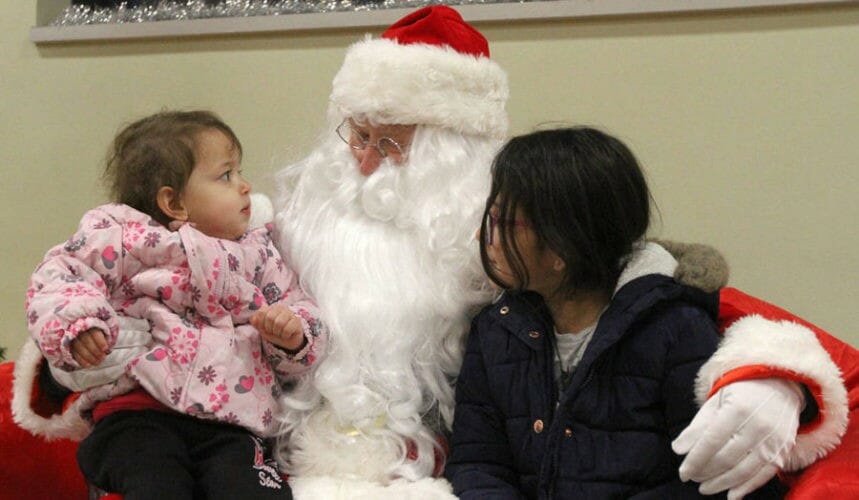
164 456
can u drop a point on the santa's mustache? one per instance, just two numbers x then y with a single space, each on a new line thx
383 192
379 196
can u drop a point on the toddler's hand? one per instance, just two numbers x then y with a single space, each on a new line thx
280 326
89 348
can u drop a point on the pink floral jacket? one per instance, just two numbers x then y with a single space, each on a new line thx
197 293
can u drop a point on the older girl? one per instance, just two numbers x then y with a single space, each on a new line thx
577 379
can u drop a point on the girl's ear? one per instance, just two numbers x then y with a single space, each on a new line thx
558 265
170 202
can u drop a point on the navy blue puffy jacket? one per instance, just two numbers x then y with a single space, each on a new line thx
610 434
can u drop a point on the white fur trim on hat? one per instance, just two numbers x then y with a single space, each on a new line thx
785 346
68 424
422 84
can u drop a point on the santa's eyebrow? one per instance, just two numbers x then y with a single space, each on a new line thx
383 130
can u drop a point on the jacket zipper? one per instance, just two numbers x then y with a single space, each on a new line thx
553 457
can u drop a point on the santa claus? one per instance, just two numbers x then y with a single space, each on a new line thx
379 222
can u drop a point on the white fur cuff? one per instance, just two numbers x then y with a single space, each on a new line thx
68 424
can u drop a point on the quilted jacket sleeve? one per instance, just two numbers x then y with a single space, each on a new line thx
695 338
69 291
279 284
480 465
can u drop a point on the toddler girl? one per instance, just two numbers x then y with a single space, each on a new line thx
229 322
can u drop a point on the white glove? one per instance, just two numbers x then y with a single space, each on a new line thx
133 340
741 436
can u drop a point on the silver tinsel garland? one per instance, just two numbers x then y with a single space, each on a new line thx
172 10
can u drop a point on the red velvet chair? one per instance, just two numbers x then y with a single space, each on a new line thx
32 468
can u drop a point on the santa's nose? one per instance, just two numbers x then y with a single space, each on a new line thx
369 160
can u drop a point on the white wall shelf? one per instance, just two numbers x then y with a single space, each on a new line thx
499 12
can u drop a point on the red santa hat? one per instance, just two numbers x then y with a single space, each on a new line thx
428 68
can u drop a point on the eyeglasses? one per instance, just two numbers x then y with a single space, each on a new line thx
491 223
385 145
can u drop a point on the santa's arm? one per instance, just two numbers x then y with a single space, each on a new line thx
765 341
771 364
746 430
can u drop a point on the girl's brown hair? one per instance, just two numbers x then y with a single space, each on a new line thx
157 151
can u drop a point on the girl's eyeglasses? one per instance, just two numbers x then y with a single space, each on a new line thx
491 223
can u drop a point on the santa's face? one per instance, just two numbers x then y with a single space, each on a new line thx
424 208
434 195
349 173
371 144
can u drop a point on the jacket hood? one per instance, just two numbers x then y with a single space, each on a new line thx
647 258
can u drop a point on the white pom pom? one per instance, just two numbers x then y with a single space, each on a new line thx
262 211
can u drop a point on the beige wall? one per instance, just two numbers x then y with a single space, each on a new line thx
747 124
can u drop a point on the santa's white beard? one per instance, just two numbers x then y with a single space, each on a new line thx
393 263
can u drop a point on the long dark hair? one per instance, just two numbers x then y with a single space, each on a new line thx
585 197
